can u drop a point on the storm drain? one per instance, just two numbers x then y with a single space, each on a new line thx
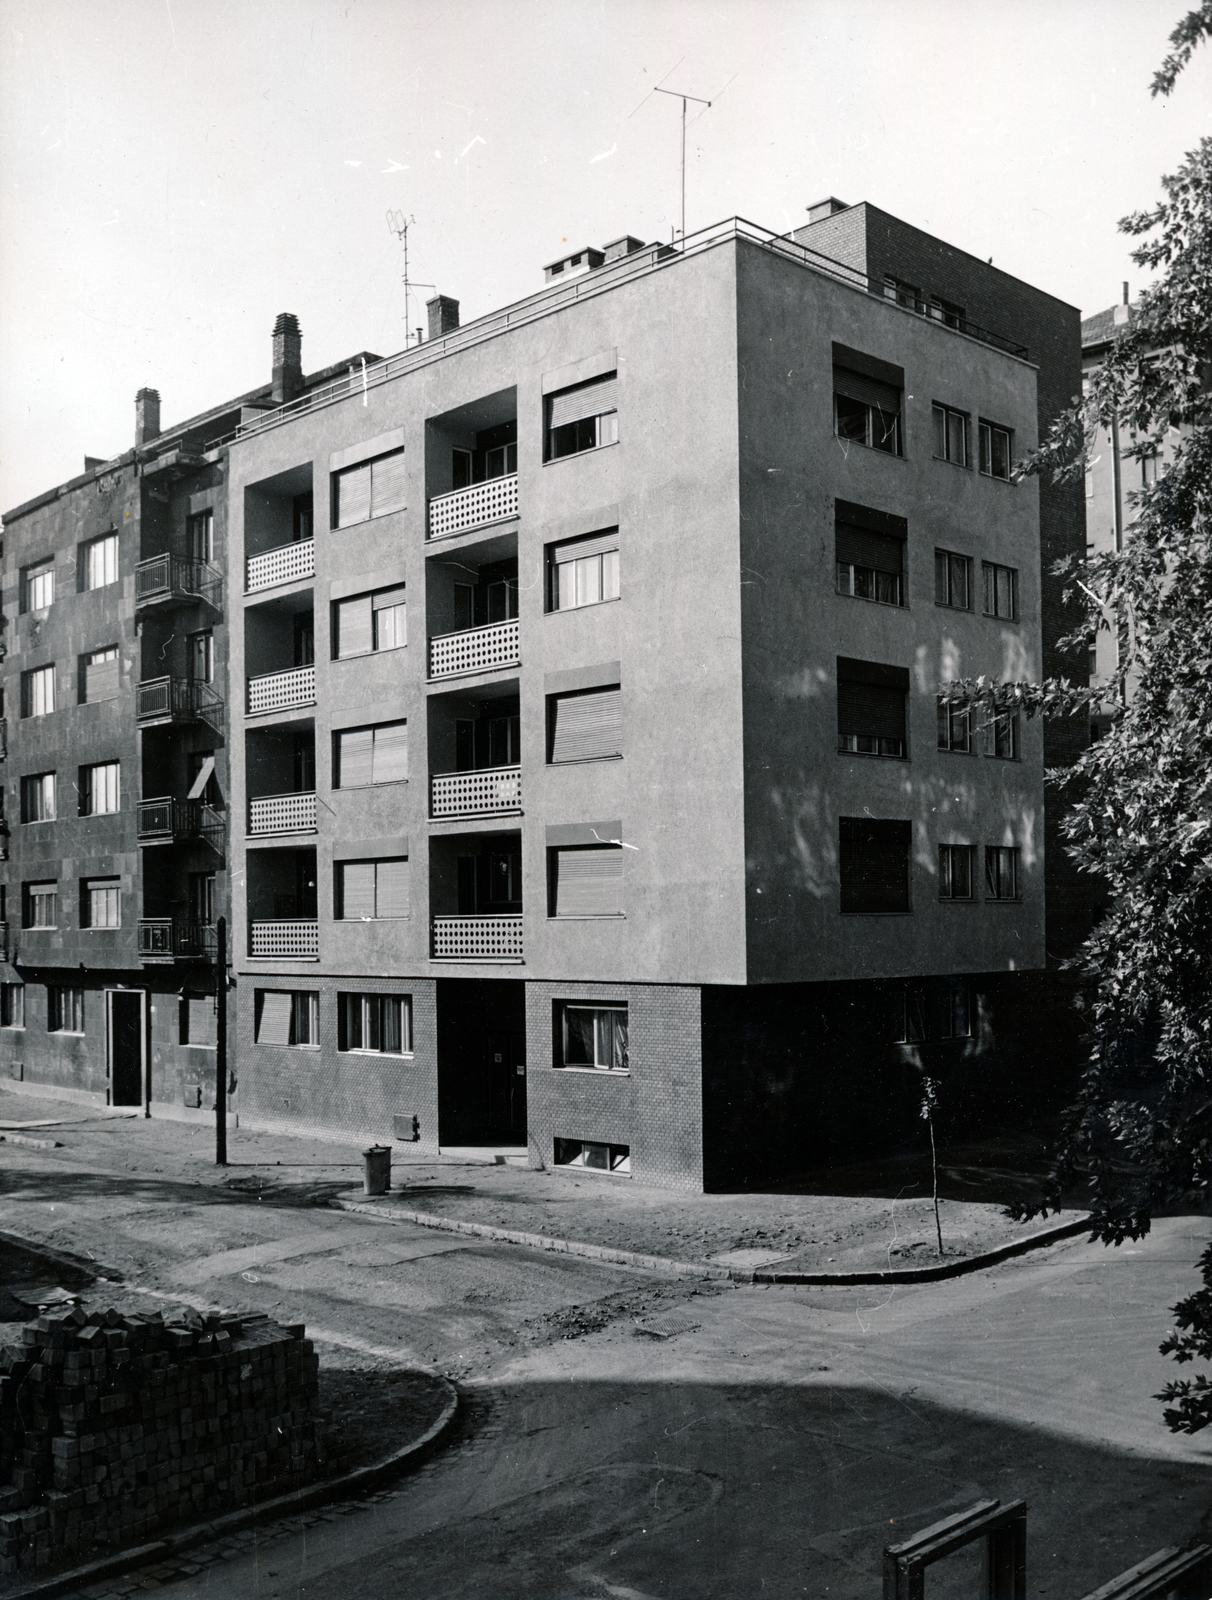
667 1326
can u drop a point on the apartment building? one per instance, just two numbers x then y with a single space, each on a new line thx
588 786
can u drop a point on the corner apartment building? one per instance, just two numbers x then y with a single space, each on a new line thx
588 784
115 761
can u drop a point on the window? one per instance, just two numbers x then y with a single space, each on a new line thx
202 657
38 797
871 708
371 489
954 728
199 1020
1001 737
952 580
200 536
1001 591
371 890
38 585
584 571
589 1154
866 410
99 675
376 1022
583 418
874 863
100 564
1001 872
1150 466
99 789
203 785
592 1036
38 691
202 898
585 726
950 435
302 520
366 756
287 1016
904 294
946 311
870 564
369 622
943 1013
100 903
995 451
65 1010
586 881
955 871
41 905
12 1005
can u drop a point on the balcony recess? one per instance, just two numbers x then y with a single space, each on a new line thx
165 939
476 794
283 565
173 580
477 938
276 691
297 940
282 813
475 649
494 500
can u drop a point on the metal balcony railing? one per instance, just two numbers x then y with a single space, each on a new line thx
475 649
477 938
282 813
283 565
4 941
273 691
166 578
494 500
294 940
3 737
473 794
167 820
166 939
173 699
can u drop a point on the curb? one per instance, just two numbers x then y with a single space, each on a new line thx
674 1268
359 1481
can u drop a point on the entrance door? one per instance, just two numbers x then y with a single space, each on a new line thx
507 1086
125 1047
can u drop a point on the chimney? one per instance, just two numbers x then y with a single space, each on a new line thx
826 208
147 417
1125 294
288 360
443 315
615 249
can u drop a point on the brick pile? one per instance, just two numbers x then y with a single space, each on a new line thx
113 1427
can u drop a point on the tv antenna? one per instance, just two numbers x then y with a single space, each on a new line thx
399 224
678 95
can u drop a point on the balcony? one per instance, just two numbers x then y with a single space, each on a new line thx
277 691
178 700
170 821
475 794
296 940
475 650
3 941
282 813
165 939
494 500
283 565
3 737
477 938
175 580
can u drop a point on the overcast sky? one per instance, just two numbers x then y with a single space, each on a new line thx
176 172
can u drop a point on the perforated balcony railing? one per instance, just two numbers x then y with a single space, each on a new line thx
275 691
494 500
298 939
282 813
472 794
477 938
283 565
475 649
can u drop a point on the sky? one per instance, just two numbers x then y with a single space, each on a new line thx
177 172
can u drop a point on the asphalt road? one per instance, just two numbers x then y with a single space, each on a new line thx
770 1448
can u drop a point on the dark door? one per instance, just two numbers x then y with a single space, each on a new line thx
507 1087
125 1048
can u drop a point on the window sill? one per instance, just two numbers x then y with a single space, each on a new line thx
947 750
67 1033
992 616
947 462
957 900
870 600
994 478
1003 900
596 1072
385 1055
945 605
908 913
579 455
353 788
583 761
889 455
264 1044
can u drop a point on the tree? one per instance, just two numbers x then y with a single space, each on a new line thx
1138 1135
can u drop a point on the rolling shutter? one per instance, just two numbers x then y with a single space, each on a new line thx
587 727
201 1022
391 896
870 708
274 1026
861 547
387 484
101 679
589 882
354 636
870 391
590 400
357 890
354 750
390 752
596 545
353 496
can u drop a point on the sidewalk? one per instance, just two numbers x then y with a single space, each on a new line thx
860 1218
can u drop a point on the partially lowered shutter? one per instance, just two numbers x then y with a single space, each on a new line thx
589 882
587 726
391 752
576 549
862 547
391 894
590 400
200 1019
870 708
354 635
101 680
274 1027
354 747
857 386
357 890
387 484
353 496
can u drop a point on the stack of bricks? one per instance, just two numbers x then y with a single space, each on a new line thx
114 1427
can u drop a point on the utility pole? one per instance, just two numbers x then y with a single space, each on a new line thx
678 95
221 1043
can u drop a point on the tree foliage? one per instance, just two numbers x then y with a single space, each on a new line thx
1138 1136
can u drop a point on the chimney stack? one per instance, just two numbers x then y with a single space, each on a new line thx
288 358
826 208
1125 294
147 417
443 315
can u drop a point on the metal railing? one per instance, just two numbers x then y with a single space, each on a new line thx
167 819
296 939
3 737
283 565
282 813
494 500
471 794
166 939
475 649
4 941
173 699
949 319
169 577
477 938
272 691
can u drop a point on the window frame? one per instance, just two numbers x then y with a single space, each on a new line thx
35 573
88 662
339 913
599 429
947 856
36 891
87 785
985 451
563 697
857 742
994 736
609 572
993 570
372 728
948 717
107 545
45 789
304 1006
355 470
997 857
201 523
65 1008
370 596
183 1015
603 849
368 1002
613 1011
947 557
947 414
905 832
44 675
106 887
12 1005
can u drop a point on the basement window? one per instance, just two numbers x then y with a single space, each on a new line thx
593 1157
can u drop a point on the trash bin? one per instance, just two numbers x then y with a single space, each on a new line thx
376 1169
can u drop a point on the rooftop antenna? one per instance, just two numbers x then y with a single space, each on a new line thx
678 95
399 224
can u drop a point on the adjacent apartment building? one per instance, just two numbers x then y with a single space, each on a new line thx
586 786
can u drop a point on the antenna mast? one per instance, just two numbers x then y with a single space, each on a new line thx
399 224
678 95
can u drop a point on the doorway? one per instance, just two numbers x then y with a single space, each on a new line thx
481 1061
124 1030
